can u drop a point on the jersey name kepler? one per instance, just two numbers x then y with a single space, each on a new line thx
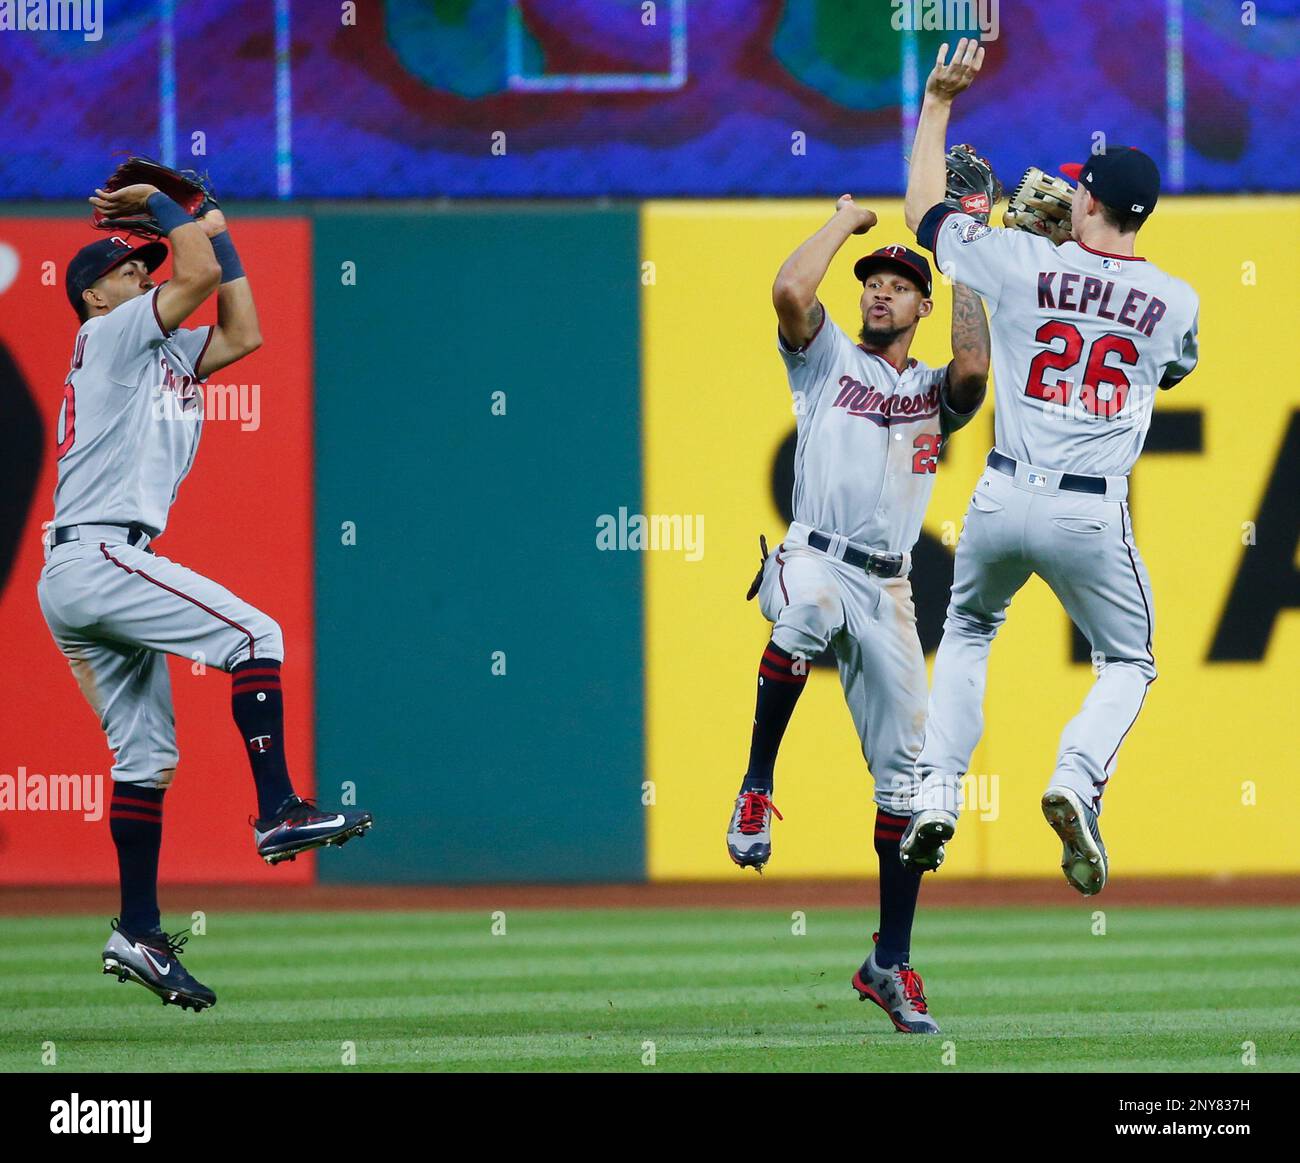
860 399
1058 294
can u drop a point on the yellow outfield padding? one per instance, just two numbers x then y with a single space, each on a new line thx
1208 780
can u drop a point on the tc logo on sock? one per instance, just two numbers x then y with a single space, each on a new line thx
260 743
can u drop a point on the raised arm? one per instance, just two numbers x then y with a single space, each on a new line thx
195 271
926 174
968 373
237 332
794 294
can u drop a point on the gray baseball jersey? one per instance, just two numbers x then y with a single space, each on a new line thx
868 438
128 431
131 418
1081 342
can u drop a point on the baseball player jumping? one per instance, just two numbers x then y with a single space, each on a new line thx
1083 334
870 423
128 431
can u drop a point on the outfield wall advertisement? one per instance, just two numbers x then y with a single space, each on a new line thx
511 567
1206 782
243 517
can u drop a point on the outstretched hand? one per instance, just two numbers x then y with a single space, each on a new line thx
948 78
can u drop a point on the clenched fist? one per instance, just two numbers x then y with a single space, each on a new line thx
862 218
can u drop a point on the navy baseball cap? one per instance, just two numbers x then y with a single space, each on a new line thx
1123 178
91 263
896 258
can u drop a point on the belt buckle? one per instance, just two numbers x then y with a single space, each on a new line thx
885 564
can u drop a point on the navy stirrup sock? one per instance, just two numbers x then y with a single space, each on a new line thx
135 823
899 887
781 679
258 707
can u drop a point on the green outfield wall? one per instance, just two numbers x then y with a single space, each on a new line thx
478 659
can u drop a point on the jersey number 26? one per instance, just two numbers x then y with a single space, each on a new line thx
1105 387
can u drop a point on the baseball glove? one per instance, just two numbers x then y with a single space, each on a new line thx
190 190
1041 205
762 564
973 187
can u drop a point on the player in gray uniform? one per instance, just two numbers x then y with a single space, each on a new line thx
1083 335
127 434
870 423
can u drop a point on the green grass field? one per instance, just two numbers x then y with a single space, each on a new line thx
1015 989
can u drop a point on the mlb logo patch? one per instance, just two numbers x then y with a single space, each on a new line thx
1109 264
973 230
1036 478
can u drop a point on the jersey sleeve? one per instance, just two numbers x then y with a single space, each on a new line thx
809 366
971 253
192 342
128 336
1183 366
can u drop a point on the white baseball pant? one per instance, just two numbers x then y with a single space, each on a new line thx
116 611
1081 544
815 600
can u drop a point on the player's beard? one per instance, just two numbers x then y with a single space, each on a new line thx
879 336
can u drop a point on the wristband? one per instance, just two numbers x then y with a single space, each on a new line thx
224 248
167 214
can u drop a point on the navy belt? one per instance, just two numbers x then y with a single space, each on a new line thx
65 533
1071 481
881 564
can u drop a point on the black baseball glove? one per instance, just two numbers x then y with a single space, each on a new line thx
762 564
190 190
973 187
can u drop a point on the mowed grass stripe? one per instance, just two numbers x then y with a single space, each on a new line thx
725 990
1276 973
79 940
1090 1008
597 926
820 1049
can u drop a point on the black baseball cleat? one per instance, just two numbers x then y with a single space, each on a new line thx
300 825
152 960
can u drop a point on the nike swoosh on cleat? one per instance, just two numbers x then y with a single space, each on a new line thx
161 970
334 823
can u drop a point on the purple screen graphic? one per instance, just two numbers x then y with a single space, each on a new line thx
587 98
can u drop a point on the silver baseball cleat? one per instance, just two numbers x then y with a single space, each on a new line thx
921 847
749 834
1083 855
